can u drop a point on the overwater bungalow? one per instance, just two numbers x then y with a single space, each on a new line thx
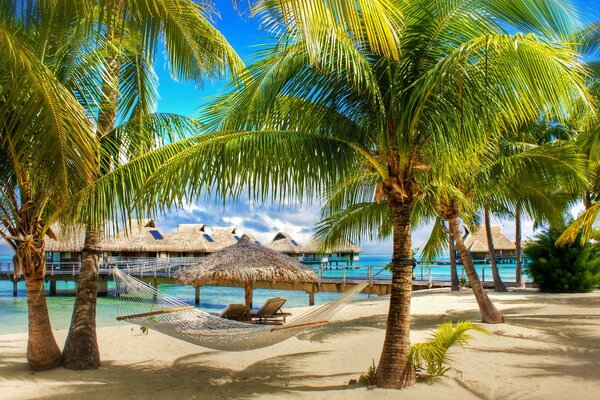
477 244
145 240
141 240
190 240
284 243
345 254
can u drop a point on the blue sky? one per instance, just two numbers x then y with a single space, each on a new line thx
264 222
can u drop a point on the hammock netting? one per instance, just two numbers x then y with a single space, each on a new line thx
144 305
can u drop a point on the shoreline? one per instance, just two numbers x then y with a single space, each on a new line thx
549 348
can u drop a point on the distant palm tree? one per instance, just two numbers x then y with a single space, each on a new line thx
324 103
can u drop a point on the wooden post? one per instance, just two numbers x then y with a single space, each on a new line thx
102 287
52 288
248 293
248 299
15 287
311 298
197 295
155 294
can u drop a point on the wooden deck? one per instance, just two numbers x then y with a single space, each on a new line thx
156 275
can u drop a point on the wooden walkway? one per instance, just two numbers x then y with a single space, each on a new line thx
157 272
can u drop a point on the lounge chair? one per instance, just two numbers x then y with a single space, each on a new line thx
235 311
270 312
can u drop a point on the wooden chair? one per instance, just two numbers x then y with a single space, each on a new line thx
270 312
235 311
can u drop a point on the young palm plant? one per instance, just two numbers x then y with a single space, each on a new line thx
432 356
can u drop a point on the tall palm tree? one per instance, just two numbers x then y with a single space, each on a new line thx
134 32
304 119
47 150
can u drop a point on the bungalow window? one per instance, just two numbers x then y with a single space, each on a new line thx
207 237
294 243
156 235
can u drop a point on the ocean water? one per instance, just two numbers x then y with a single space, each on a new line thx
13 310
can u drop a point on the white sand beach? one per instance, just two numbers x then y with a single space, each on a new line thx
548 349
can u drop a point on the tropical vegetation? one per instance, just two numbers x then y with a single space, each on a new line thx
573 267
322 108
394 113
431 358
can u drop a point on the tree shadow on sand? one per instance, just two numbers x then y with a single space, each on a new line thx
188 377
573 348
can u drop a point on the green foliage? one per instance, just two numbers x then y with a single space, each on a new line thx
368 378
570 268
464 282
432 356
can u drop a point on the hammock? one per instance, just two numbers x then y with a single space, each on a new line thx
149 307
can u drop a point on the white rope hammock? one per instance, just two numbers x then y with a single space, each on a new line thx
149 307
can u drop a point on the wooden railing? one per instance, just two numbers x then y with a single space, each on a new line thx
167 267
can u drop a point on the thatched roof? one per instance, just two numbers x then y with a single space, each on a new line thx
243 262
284 243
67 239
142 236
476 240
315 247
225 236
191 238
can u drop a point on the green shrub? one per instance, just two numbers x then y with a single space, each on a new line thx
368 378
571 268
432 356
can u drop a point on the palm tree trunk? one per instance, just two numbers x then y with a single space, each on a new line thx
81 347
455 284
518 250
394 370
42 351
498 284
489 313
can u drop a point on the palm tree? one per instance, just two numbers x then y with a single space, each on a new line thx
46 155
305 119
134 31
498 284
587 125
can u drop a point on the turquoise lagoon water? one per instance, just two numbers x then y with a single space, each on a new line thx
13 310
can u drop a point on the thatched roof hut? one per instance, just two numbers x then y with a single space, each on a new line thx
192 238
225 236
143 236
283 243
315 247
69 239
476 240
245 262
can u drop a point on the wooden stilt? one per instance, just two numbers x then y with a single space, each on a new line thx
102 287
248 298
52 288
155 294
311 298
15 287
197 295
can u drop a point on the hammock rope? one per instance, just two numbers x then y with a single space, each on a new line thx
144 305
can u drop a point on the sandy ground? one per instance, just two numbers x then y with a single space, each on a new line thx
548 349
